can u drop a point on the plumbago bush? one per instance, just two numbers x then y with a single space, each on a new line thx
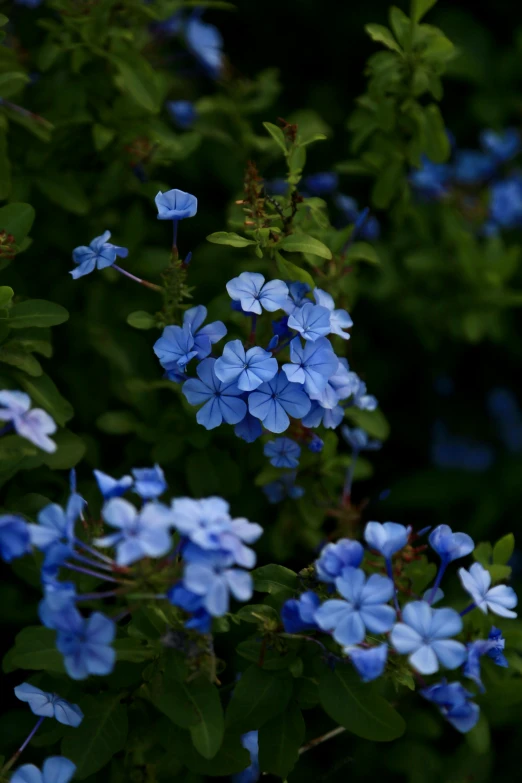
170 638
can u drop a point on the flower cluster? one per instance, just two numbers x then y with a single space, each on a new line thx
364 616
193 552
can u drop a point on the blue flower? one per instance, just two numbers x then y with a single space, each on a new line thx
424 637
493 647
386 538
362 400
183 113
143 534
99 255
249 369
335 557
86 644
205 42
473 166
339 319
14 537
149 482
215 585
254 294
175 205
311 321
201 620
175 348
285 486
359 440
366 226
365 607
275 400
499 599
251 774
283 453
297 296
249 429
454 703
59 599
56 769
111 487
204 336
505 207
189 516
49 705
431 180
316 445
369 663
503 146
298 614
322 183
340 385
34 425
221 400
319 414
276 187
312 365
54 533
450 546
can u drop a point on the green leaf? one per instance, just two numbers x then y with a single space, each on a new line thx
358 706
302 243
132 650
280 740
229 238
71 450
387 184
140 319
312 139
499 572
373 422
101 734
102 136
378 32
362 251
257 697
277 135
289 271
12 82
117 422
503 549
14 448
479 738
138 79
420 7
36 312
258 613
64 190
274 578
6 294
35 648
19 357
483 553
437 145
5 170
207 734
17 219
400 25
44 393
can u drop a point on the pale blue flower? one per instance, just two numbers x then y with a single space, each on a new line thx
216 585
341 385
252 773
59 599
424 635
98 255
493 647
369 663
149 482
359 440
255 295
249 369
298 614
111 487
318 414
221 400
189 515
360 398
499 599
339 319
35 425
56 769
275 400
454 703
175 205
205 42
387 538
311 321
14 537
175 348
334 557
86 643
141 534
283 453
312 365
49 705
54 533
450 546
201 620
297 295
204 336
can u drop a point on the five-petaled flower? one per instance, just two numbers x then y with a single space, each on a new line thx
249 369
222 401
98 255
49 705
54 533
386 538
56 769
311 365
86 644
175 348
311 321
424 635
14 537
204 336
336 556
283 453
275 400
453 700
175 205
369 662
450 546
339 319
35 425
141 534
499 599
255 295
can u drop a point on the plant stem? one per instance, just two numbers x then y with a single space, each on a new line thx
319 740
94 551
89 562
389 571
468 609
175 238
146 283
434 589
95 574
347 489
21 749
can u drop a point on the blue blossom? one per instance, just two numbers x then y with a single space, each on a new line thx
369 663
499 599
362 400
175 348
366 226
149 482
424 635
275 400
318 414
503 146
280 330
316 445
111 487
183 113
311 321
201 620
297 296
254 294
348 206
49 705
98 255
248 429
431 180
215 585
450 546
14 537
311 365
454 703
387 538
56 769
473 166
35 425
251 774
339 319
249 369
141 534
322 184
505 206
335 557
175 205
205 42
283 453
86 644
54 533
504 408
276 187
359 440
285 486
340 385
493 647
298 614
189 516
204 336
365 607
59 599
222 401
